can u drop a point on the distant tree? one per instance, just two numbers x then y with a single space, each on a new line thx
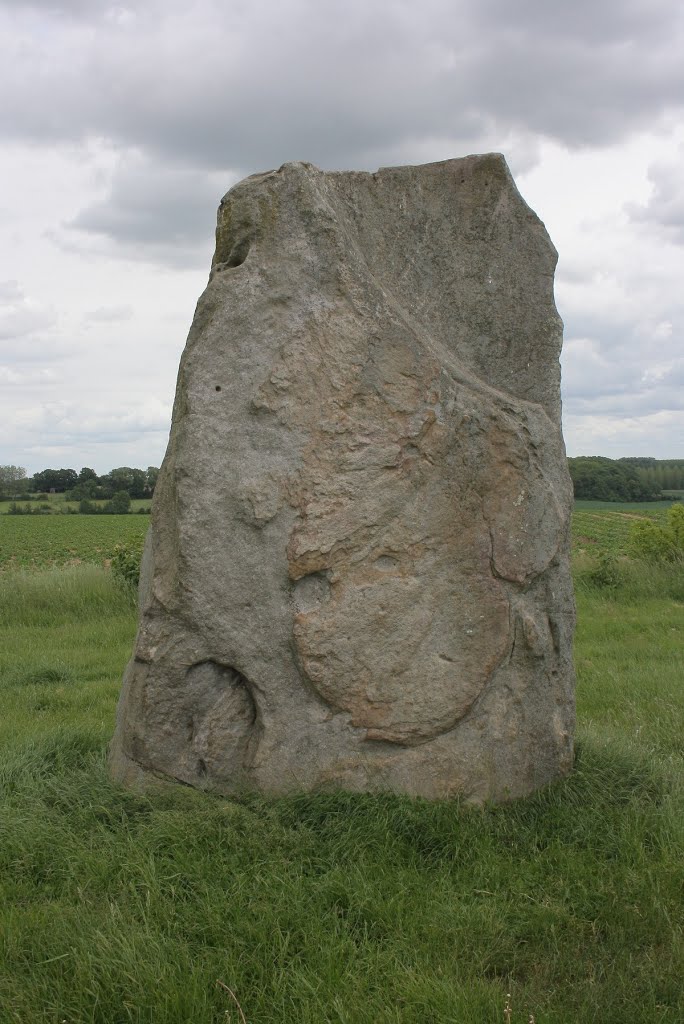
638 460
601 479
151 479
55 479
12 481
120 504
87 489
125 478
87 474
674 469
667 474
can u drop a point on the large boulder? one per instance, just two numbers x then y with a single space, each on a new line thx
357 574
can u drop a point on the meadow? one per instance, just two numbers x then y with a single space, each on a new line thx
176 906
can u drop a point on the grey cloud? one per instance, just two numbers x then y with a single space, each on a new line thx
573 272
251 86
674 376
582 73
67 8
643 402
153 212
584 20
623 383
665 208
592 385
248 87
623 365
193 96
588 372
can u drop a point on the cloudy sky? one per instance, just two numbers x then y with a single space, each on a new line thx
122 125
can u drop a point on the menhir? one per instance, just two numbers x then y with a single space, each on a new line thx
357 574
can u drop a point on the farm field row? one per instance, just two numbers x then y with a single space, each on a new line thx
34 542
57 503
37 542
648 508
609 527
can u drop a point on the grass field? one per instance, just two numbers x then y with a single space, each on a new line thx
117 908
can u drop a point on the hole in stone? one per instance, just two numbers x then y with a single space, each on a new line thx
207 683
311 592
238 254
201 767
218 387
386 563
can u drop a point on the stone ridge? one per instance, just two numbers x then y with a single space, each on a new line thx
358 569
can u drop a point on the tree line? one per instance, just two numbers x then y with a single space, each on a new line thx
597 478
660 474
85 485
593 477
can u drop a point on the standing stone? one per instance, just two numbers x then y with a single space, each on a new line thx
357 574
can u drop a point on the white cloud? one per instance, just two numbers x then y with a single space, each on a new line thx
618 436
664 209
108 314
19 315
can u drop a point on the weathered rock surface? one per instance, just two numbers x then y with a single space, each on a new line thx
357 574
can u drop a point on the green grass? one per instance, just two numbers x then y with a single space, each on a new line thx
33 542
342 908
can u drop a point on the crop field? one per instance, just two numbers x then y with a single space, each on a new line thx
34 542
39 542
607 525
171 907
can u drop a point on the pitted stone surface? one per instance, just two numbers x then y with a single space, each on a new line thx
357 574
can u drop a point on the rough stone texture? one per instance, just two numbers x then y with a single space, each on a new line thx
357 574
